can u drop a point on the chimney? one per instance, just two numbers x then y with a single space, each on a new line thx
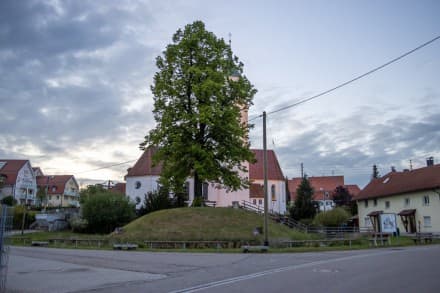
430 161
393 169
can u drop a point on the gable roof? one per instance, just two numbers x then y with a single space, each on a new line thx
144 166
10 169
256 170
320 184
37 171
118 188
395 183
51 181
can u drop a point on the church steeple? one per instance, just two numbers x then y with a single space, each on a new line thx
235 76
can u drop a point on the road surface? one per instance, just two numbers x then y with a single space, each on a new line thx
409 269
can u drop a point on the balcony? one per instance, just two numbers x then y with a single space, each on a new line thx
73 203
71 193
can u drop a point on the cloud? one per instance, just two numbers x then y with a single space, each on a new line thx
73 73
350 146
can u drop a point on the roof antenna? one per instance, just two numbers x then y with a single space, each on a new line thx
230 37
410 165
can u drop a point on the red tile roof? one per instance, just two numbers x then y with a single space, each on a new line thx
37 170
55 183
274 171
144 165
256 191
395 183
321 185
118 188
10 170
353 189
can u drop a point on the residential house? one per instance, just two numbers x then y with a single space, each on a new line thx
61 190
118 188
17 179
413 196
323 187
143 178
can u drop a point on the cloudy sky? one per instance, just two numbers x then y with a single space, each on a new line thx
75 79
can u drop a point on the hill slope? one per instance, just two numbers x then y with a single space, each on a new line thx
203 224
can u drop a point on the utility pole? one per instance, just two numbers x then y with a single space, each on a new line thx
266 239
302 170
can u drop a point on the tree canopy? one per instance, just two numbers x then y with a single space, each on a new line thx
375 173
304 207
197 109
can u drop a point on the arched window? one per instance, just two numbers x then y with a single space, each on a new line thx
272 192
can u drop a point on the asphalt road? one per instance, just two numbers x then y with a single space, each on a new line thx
409 269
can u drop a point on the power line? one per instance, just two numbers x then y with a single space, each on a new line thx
106 167
312 97
351 80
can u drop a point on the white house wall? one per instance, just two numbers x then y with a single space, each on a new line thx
279 204
397 204
147 184
25 185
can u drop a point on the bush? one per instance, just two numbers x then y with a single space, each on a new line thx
9 200
105 210
155 201
333 218
18 217
78 225
197 202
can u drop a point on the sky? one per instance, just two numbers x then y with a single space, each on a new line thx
75 81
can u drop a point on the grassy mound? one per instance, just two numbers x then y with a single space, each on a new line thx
206 224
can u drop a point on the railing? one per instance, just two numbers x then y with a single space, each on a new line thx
328 232
210 203
73 203
251 207
71 193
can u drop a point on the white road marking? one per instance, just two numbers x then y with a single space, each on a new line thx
274 271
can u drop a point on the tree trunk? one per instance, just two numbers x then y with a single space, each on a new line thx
197 186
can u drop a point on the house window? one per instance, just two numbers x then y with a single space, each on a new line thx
375 202
407 202
254 201
366 203
186 188
205 190
426 200
137 185
54 188
427 221
260 201
272 192
58 197
387 204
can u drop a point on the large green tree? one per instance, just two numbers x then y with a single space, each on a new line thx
197 108
304 207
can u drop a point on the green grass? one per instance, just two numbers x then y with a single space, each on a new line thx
204 224
199 224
